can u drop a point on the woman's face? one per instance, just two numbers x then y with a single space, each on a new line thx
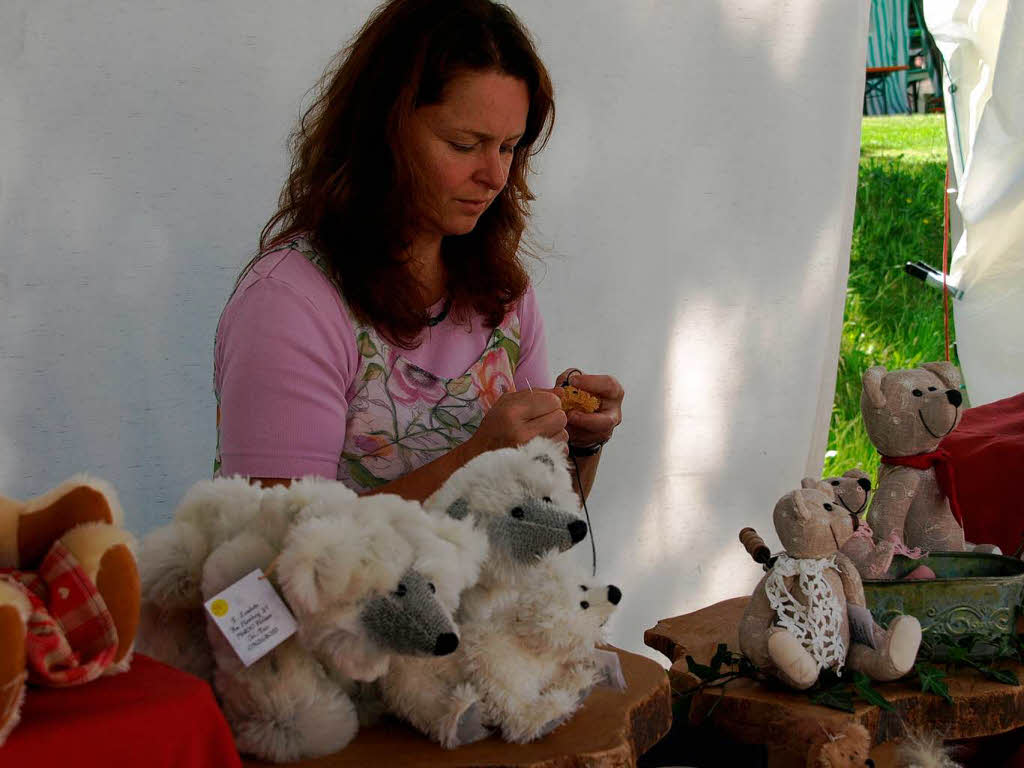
463 147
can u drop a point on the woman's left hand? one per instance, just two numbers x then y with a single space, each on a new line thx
586 429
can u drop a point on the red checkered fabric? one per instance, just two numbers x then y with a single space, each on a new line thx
71 634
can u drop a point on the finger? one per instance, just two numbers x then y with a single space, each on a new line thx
538 403
550 424
597 423
605 387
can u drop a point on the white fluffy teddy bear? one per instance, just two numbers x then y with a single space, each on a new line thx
531 654
365 578
520 502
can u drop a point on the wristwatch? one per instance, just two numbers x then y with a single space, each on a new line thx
580 451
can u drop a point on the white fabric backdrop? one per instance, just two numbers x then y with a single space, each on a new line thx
695 201
982 42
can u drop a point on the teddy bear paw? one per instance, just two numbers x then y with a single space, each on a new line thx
795 665
904 640
470 726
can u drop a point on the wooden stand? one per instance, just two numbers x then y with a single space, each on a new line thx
613 728
786 722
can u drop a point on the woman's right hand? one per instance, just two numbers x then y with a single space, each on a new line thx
518 417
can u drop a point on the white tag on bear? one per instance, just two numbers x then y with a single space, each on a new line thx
609 669
252 616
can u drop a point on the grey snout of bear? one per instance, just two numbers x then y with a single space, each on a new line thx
533 527
410 621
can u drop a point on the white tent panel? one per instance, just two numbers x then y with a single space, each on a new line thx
695 205
982 42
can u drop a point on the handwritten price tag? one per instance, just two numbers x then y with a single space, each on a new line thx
252 617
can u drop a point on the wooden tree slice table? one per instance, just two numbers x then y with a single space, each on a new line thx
786 722
611 730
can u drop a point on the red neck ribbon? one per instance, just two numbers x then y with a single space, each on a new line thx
940 459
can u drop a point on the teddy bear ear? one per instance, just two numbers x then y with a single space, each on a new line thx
947 373
872 385
543 458
803 512
808 482
458 509
317 566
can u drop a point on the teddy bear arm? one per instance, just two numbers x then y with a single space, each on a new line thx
888 512
576 677
853 587
872 560
14 611
754 627
429 695
283 708
105 555
524 720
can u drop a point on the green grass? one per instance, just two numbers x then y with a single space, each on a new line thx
917 138
891 319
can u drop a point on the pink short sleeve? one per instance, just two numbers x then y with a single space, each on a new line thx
533 347
283 361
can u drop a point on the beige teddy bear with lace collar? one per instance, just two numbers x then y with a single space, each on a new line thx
808 612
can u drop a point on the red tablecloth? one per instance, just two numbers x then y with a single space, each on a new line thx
153 716
988 459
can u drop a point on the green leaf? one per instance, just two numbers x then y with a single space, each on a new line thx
957 654
460 385
1005 676
932 680
863 685
835 698
373 371
512 349
702 671
446 418
363 476
365 345
722 656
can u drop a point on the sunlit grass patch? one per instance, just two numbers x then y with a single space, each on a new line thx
890 319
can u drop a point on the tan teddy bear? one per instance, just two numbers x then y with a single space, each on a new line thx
849 747
907 413
76 523
799 619
850 491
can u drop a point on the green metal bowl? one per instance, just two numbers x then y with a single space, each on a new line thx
973 595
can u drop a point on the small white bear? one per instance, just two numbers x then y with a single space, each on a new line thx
531 657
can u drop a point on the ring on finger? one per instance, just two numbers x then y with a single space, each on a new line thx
567 381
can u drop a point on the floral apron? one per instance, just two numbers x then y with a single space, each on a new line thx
401 416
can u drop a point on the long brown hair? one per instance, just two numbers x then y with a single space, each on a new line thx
351 185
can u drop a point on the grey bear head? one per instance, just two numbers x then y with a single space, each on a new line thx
409 621
521 498
531 527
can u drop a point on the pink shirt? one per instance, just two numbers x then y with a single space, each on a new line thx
286 361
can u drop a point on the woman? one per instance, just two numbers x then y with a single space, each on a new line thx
387 333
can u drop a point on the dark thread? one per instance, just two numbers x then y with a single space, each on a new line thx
579 484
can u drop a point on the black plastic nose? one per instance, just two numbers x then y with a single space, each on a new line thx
864 483
614 594
954 396
577 530
446 643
